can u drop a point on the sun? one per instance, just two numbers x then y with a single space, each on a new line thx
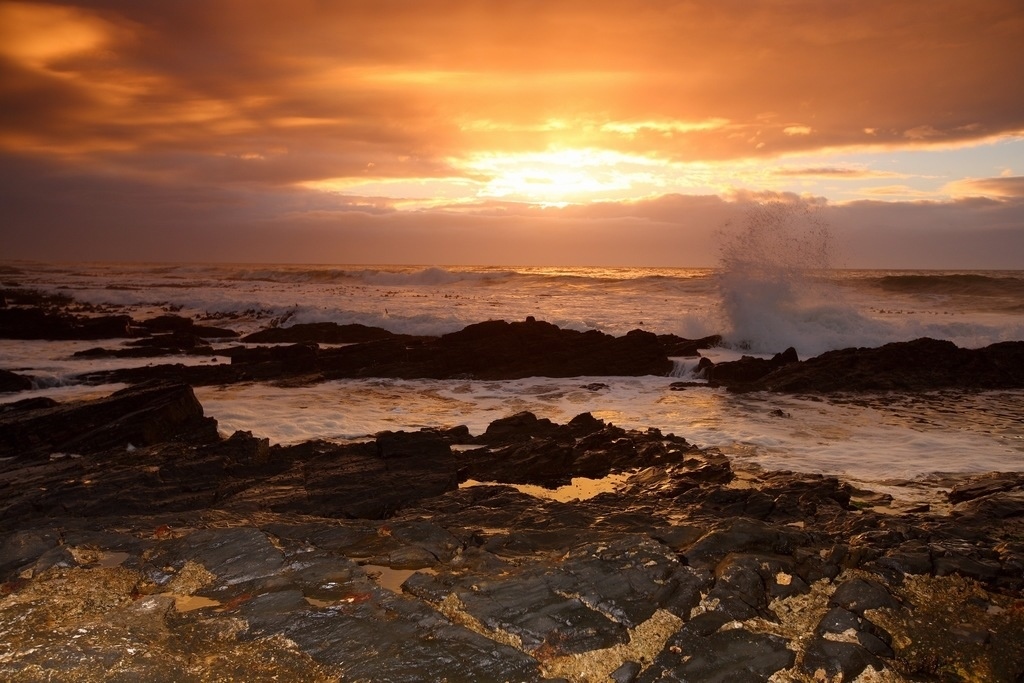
563 176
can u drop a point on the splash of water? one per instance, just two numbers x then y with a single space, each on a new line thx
774 282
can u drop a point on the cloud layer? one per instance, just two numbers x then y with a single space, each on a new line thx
123 120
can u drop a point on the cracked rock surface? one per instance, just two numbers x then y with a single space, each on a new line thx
195 558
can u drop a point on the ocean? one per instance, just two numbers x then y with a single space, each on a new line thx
909 445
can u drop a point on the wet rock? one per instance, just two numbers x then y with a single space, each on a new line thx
748 369
38 323
146 414
378 636
859 595
236 557
951 559
489 350
919 365
584 602
11 381
293 359
840 624
318 333
177 323
627 672
527 450
28 404
678 346
827 659
522 426
742 535
909 558
21 548
498 349
424 445
232 548
1003 507
995 482
183 341
727 656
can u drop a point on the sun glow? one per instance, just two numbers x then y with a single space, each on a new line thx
555 177
566 176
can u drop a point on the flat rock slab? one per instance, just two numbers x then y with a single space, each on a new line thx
137 416
191 559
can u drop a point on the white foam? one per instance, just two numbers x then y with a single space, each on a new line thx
778 290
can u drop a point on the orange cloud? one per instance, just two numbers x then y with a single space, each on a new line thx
372 82
1003 186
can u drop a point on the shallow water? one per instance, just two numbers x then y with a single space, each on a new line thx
870 438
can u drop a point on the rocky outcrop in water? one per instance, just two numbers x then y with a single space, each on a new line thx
318 333
29 314
12 381
490 350
919 365
191 557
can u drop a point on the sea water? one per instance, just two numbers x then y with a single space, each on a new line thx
760 309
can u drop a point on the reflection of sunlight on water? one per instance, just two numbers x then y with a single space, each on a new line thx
581 488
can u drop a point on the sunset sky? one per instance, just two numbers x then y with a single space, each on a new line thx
524 132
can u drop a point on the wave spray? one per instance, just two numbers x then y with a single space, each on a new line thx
774 282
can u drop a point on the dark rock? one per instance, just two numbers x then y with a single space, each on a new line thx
995 482
742 535
177 323
919 365
838 660
859 595
21 548
141 415
36 323
28 404
237 557
177 341
534 609
677 346
626 673
497 349
10 381
729 656
303 357
951 562
519 427
490 350
704 366
412 444
748 368
910 561
839 623
381 637
1003 509
318 333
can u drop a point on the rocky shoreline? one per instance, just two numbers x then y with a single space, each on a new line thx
490 350
135 543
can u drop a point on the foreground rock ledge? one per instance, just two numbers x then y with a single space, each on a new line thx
192 559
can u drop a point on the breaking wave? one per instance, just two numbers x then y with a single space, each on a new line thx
775 287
